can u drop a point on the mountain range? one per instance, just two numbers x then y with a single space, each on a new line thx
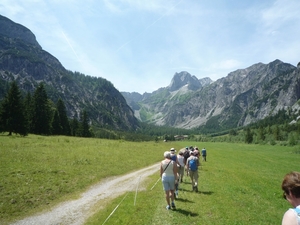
242 97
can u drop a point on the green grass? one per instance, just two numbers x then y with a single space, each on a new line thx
239 183
38 172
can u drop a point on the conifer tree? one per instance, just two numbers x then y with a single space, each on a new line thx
12 115
84 125
56 127
248 136
28 110
74 124
41 113
63 119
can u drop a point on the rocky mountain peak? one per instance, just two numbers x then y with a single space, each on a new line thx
12 30
205 81
184 78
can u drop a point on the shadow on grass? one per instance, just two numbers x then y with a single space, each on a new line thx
199 192
205 192
186 213
184 200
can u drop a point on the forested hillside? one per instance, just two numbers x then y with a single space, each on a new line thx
23 60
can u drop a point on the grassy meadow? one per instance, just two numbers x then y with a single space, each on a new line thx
239 183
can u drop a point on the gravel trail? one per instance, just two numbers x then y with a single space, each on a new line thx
75 212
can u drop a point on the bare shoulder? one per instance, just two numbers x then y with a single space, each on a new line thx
289 218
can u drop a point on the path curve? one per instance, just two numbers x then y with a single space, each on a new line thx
76 212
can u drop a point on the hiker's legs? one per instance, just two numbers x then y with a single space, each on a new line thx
168 197
181 173
172 195
196 178
191 173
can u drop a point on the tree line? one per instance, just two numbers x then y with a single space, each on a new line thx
36 113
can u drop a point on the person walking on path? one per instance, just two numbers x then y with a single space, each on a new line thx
173 155
186 155
168 174
192 165
203 153
175 159
181 159
196 152
291 192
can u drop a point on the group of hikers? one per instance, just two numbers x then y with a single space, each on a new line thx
173 168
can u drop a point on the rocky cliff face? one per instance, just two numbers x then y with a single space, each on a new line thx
244 96
22 59
184 79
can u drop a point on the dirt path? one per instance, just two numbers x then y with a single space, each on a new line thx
75 212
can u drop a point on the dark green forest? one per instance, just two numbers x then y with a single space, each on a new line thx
24 113
37 114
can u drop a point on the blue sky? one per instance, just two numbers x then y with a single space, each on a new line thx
139 45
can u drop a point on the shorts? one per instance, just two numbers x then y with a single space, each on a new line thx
168 183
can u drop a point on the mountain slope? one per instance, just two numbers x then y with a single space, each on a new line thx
244 96
151 108
22 59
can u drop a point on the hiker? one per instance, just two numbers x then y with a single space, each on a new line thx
196 152
175 159
173 155
291 187
186 155
168 174
203 153
181 164
192 165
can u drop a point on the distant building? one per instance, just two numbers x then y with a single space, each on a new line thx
181 137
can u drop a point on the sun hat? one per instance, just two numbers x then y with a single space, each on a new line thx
172 150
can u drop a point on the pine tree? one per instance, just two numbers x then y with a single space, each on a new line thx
74 124
84 125
28 110
248 136
63 119
41 114
12 115
56 127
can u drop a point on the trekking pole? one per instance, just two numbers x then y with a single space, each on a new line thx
155 183
114 209
137 186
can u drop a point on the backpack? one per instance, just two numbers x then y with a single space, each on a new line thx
174 157
193 164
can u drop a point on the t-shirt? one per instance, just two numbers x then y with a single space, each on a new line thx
180 159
